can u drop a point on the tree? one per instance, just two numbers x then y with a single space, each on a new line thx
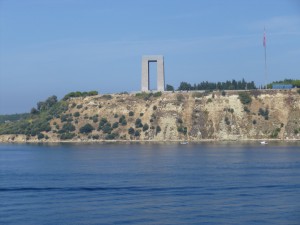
34 111
87 128
169 87
158 129
138 123
137 133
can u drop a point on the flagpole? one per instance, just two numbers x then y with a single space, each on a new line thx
265 47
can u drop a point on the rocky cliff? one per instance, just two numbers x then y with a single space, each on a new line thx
190 116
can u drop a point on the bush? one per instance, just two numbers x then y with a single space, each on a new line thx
87 128
67 127
227 120
131 113
115 125
79 106
179 120
157 94
116 116
245 98
66 136
130 131
145 127
169 87
254 122
73 105
264 113
141 114
223 93
180 97
107 128
40 136
95 119
209 100
137 133
158 129
246 109
138 123
124 123
95 137
107 97
76 114
155 107
121 118
111 136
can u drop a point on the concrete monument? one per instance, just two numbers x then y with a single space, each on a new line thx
159 59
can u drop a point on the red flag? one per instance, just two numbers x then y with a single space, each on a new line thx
264 41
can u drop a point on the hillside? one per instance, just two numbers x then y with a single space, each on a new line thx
192 116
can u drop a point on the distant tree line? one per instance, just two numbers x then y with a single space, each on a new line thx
295 83
207 86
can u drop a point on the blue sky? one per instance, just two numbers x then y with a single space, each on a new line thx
58 46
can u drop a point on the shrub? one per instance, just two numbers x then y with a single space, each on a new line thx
179 120
298 91
245 98
145 127
296 131
87 128
141 114
155 107
158 129
131 113
157 94
111 136
121 118
138 123
95 137
107 128
67 127
180 97
130 131
115 125
137 133
124 123
264 113
73 105
79 106
66 136
246 109
76 114
209 100
95 119
223 93
107 97
254 122
116 116
40 136
227 120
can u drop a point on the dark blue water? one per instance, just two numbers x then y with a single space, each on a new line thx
150 184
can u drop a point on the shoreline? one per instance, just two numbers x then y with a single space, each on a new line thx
147 141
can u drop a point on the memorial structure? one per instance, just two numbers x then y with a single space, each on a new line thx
159 59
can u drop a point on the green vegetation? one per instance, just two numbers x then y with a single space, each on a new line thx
169 87
131 131
155 107
66 136
157 94
76 114
131 113
138 123
158 129
79 94
87 128
13 117
107 97
182 129
137 133
295 83
275 133
264 113
245 98
145 127
228 85
180 97
227 120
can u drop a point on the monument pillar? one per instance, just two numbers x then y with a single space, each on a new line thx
160 72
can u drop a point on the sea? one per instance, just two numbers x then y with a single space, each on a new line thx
207 183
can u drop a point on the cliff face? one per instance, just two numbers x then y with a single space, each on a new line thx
191 116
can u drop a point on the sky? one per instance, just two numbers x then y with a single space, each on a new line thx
53 47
